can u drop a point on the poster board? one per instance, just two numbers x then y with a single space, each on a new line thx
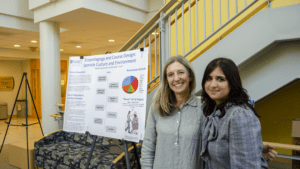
6 83
106 95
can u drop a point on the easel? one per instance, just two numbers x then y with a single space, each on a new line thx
126 153
125 145
25 125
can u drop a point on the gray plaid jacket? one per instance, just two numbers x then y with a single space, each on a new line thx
234 141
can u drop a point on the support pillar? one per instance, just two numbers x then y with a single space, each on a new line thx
50 73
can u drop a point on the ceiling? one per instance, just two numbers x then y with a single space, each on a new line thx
87 28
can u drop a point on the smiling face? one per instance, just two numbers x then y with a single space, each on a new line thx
217 86
178 78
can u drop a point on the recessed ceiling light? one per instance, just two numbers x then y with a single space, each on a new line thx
154 33
78 46
111 40
17 46
33 41
61 50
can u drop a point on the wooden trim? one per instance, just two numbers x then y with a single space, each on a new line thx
153 87
284 146
123 154
254 11
60 105
205 49
51 133
264 4
55 115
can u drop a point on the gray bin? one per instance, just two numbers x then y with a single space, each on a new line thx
3 110
21 108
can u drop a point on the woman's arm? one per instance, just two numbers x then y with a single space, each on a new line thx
245 142
149 142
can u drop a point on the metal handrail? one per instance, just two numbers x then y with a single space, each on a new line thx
285 146
161 44
220 28
147 26
288 157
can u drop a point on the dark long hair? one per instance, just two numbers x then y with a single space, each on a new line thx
237 95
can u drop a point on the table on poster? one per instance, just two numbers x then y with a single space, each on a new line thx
106 95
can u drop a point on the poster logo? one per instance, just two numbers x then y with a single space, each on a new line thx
76 62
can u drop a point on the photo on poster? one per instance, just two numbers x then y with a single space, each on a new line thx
132 123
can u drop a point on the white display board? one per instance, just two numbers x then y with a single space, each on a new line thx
106 95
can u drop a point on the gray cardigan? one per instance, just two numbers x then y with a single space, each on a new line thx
173 142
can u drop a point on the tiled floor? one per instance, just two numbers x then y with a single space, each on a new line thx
18 133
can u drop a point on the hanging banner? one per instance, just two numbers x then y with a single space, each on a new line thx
106 95
6 83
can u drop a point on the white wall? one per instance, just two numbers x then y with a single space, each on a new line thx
153 6
15 14
17 8
113 8
264 74
137 4
14 69
37 3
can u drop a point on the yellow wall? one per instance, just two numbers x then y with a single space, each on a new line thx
260 5
281 106
281 3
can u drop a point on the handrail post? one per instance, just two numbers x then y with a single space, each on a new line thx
162 44
269 4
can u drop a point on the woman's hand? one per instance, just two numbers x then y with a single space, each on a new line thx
268 152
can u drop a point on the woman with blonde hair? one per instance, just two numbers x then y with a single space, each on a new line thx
173 126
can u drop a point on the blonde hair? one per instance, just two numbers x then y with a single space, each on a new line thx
164 99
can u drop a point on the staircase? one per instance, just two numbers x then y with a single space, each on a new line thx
262 39
246 32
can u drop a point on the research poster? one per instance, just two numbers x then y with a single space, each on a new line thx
106 95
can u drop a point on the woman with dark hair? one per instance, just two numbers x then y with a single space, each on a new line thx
231 133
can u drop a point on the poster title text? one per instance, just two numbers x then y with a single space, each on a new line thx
110 60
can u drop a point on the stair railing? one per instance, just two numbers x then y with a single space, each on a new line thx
162 33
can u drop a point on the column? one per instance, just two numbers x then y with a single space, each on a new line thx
50 73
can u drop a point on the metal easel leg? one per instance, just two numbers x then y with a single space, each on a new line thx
8 123
91 152
137 156
127 155
34 106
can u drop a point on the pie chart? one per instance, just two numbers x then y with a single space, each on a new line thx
130 84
